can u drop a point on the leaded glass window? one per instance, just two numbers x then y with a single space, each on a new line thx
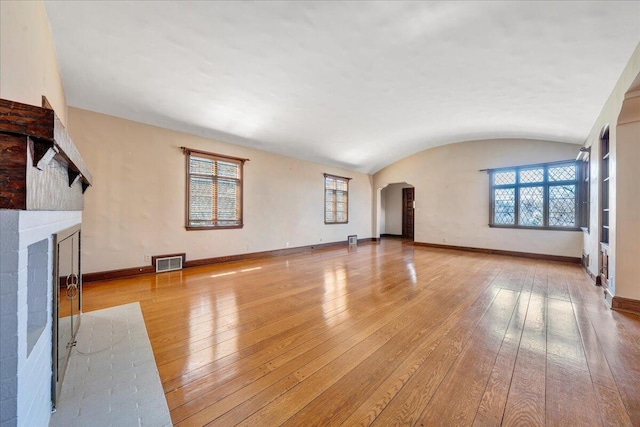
562 206
531 175
535 196
531 206
505 208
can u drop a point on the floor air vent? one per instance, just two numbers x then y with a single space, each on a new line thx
168 264
353 240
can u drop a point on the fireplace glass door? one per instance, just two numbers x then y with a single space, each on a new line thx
67 304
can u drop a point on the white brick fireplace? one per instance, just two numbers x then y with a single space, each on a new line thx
42 182
26 360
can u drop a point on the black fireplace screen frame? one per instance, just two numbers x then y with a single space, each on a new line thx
67 282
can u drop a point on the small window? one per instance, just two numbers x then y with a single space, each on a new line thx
541 196
336 199
214 190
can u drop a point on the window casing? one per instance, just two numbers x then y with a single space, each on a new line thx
585 191
336 199
214 191
542 196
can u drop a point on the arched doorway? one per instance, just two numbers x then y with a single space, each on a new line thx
396 211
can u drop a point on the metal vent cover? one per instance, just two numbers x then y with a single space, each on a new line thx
168 264
353 240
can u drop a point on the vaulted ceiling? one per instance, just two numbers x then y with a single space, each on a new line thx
352 84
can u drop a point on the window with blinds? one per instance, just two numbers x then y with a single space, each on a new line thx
214 190
336 199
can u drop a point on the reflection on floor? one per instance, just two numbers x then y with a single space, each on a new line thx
112 378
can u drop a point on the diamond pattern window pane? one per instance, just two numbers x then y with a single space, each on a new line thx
504 207
531 175
531 206
562 173
504 178
562 206
546 195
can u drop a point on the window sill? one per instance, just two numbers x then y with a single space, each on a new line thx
536 228
225 227
336 223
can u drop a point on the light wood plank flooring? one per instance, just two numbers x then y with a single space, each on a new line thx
386 334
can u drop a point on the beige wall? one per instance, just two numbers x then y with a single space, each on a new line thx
628 200
452 195
609 116
28 64
136 205
391 212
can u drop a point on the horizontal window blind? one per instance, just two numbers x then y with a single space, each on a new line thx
214 191
336 199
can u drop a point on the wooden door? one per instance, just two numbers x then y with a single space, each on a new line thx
407 212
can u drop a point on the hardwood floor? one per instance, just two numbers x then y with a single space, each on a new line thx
386 334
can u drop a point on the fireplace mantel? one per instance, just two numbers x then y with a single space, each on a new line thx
40 167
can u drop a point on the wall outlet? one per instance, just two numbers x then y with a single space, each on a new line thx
286 245
147 258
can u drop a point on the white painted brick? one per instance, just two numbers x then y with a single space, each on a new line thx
9 226
34 372
8 409
9 223
8 284
9 302
35 226
36 411
9 344
21 303
35 380
9 327
9 371
9 262
8 388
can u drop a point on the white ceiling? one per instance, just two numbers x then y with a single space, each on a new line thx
352 84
